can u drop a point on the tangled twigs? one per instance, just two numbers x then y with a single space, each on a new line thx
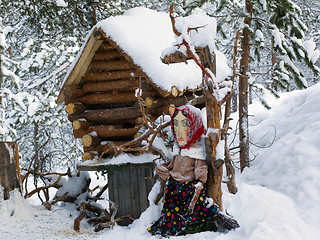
43 175
132 145
27 195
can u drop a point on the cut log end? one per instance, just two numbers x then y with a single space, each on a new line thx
88 156
174 91
171 108
70 108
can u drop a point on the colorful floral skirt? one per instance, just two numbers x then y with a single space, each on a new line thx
175 219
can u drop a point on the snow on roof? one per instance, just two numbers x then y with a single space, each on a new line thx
144 33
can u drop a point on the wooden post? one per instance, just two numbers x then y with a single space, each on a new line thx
213 137
9 167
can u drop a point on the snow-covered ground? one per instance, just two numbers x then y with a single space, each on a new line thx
278 196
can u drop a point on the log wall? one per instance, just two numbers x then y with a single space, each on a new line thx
103 106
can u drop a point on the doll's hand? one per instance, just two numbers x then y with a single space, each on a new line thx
191 208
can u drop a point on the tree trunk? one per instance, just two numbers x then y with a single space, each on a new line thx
36 162
1 73
213 137
9 167
243 91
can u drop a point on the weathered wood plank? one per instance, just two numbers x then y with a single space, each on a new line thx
134 192
142 189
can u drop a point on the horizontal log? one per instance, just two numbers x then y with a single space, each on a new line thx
108 116
90 140
126 84
108 98
81 124
111 65
105 131
89 156
107 46
100 148
72 92
107 55
111 75
75 108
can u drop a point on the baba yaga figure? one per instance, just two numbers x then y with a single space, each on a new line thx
187 207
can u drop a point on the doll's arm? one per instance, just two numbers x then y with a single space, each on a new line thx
163 169
199 187
201 172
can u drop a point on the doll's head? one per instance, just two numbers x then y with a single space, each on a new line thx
186 125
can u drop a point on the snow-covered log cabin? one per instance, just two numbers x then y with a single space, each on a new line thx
122 81
121 54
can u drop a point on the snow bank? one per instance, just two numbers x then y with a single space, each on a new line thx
291 165
278 197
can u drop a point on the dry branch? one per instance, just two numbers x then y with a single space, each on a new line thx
82 214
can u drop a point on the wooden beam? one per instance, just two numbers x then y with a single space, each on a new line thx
75 108
88 156
110 75
111 86
100 148
81 124
106 131
107 55
91 46
72 92
108 98
107 46
108 116
90 140
111 65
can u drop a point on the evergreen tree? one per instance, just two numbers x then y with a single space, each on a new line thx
10 96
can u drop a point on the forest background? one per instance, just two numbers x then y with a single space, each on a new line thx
40 38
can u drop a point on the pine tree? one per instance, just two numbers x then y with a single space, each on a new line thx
10 97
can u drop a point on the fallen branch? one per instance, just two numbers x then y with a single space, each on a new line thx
76 225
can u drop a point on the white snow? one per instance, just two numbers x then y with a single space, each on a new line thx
144 33
278 196
61 3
